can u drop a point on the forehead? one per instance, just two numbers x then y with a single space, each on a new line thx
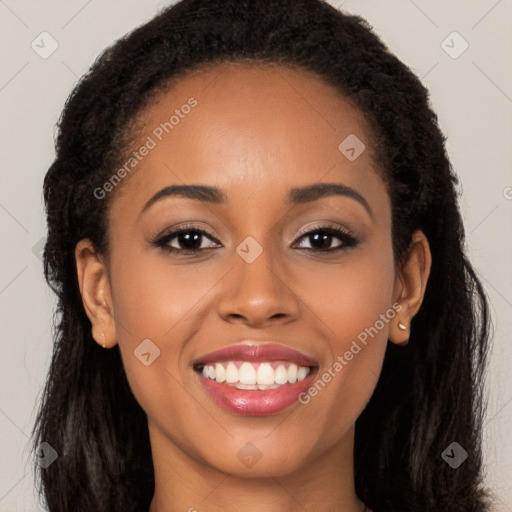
249 129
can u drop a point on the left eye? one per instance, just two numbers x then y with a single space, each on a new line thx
320 239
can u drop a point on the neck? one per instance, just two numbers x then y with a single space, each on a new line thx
184 483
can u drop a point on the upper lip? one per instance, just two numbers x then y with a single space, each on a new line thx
248 351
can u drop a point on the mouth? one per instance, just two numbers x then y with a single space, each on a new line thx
255 376
255 379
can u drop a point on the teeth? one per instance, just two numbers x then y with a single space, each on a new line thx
231 373
265 375
220 373
302 373
292 373
281 376
255 376
247 374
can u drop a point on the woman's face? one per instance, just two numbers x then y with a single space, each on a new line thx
268 278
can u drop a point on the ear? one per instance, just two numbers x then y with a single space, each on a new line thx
96 294
410 286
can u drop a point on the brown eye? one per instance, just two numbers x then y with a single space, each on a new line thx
321 239
185 240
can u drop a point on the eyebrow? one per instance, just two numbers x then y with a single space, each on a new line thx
299 195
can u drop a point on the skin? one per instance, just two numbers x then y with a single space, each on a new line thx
256 132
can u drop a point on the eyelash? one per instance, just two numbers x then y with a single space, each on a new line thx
348 239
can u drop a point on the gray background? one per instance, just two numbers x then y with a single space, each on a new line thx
472 95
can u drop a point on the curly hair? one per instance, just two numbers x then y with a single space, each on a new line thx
429 394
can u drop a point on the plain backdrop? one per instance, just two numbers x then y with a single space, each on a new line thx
471 93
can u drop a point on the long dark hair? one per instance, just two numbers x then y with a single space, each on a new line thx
429 393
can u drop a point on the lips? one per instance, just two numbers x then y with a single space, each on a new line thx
257 353
258 380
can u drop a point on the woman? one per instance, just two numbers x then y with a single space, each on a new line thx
264 302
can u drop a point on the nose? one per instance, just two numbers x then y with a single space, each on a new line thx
258 293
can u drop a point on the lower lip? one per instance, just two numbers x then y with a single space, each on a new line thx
256 402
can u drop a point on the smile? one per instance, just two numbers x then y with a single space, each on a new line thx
261 376
255 379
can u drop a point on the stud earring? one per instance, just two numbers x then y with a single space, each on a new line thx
403 327
103 335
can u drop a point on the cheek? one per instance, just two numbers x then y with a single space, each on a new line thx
166 305
353 300
155 299
349 297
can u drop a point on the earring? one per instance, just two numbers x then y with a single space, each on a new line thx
103 335
403 327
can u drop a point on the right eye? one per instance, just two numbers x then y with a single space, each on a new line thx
190 239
